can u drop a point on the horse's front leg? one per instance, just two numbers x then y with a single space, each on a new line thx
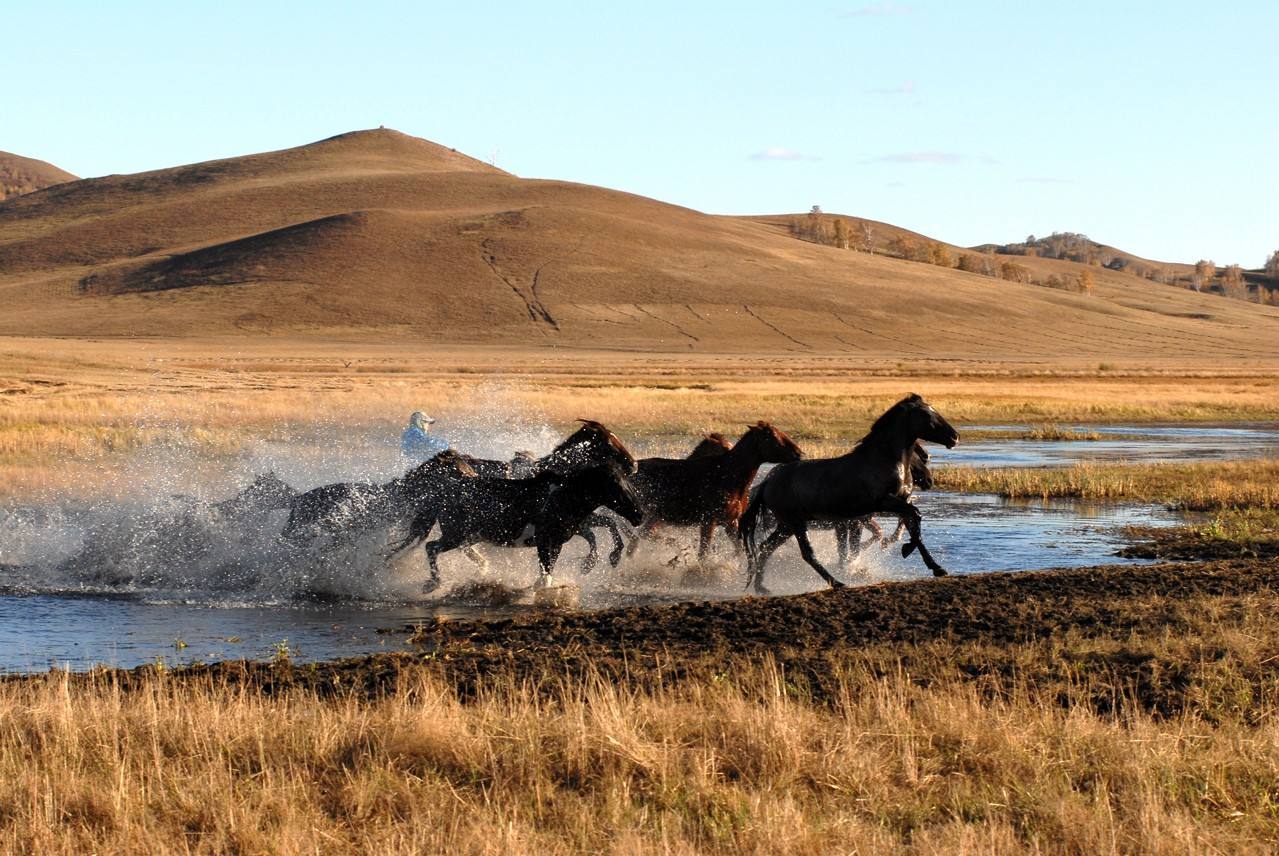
806 550
843 538
912 518
704 541
619 543
548 552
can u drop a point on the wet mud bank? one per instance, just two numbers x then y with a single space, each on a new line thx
997 628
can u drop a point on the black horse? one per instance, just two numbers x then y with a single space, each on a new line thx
848 533
544 511
588 446
347 509
875 477
266 493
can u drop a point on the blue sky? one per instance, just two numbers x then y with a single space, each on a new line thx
1146 125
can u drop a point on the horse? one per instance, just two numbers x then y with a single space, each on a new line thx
544 511
346 509
710 445
712 490
848 533
590 445
267 492
875 477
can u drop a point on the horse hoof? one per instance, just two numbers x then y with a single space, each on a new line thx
587 567
615 558
430 586
836 584
940 572
908 548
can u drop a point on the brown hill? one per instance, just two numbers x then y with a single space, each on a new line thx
19 175
379 233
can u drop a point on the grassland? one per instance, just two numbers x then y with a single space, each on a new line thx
1141 724
96 405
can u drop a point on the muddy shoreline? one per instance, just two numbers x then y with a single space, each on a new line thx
974 623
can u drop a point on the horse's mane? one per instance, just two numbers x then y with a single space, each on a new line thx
887 419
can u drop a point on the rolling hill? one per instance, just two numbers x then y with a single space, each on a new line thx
379 234
19 175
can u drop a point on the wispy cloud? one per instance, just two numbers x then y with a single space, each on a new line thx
879 10
781 153
1044 179
936 158
906 88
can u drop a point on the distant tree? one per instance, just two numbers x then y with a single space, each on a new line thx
970 263
1205 271
867 235
939 255
815 211
989 264
1272 264
1232 283
1087 282
902 247
1014 272
841 234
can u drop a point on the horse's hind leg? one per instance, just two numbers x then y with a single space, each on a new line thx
806 550
843 538
445 543
762 555
592 557
704 541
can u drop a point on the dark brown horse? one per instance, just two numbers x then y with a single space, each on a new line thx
712 490
544 511
874 478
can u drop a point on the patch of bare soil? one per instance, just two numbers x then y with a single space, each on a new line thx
1185 543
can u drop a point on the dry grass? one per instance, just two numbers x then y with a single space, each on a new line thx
910 756
101 406
1201 486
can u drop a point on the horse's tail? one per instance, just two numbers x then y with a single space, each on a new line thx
747 523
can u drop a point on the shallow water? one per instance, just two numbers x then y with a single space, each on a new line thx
1135 443
157 577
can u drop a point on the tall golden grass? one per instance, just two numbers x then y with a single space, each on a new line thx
908 758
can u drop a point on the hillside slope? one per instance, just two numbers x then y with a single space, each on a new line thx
19 175
379 233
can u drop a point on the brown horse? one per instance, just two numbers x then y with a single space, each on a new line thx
712 490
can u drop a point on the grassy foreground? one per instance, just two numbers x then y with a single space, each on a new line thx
1141 723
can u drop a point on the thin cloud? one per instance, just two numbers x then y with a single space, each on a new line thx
879 10
936 158
906 88
781 153
1044 179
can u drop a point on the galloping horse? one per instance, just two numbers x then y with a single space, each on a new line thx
710 490
347 509
544 511
875 477
267 493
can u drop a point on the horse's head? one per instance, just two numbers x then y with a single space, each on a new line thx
711 445
919 472
772 446
269 490
448 465
925 423
590 445
620 495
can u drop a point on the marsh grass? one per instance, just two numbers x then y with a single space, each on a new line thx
1201 486
910 754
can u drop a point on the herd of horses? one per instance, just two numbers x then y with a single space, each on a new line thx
545 502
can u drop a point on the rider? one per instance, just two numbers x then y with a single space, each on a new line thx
417 441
